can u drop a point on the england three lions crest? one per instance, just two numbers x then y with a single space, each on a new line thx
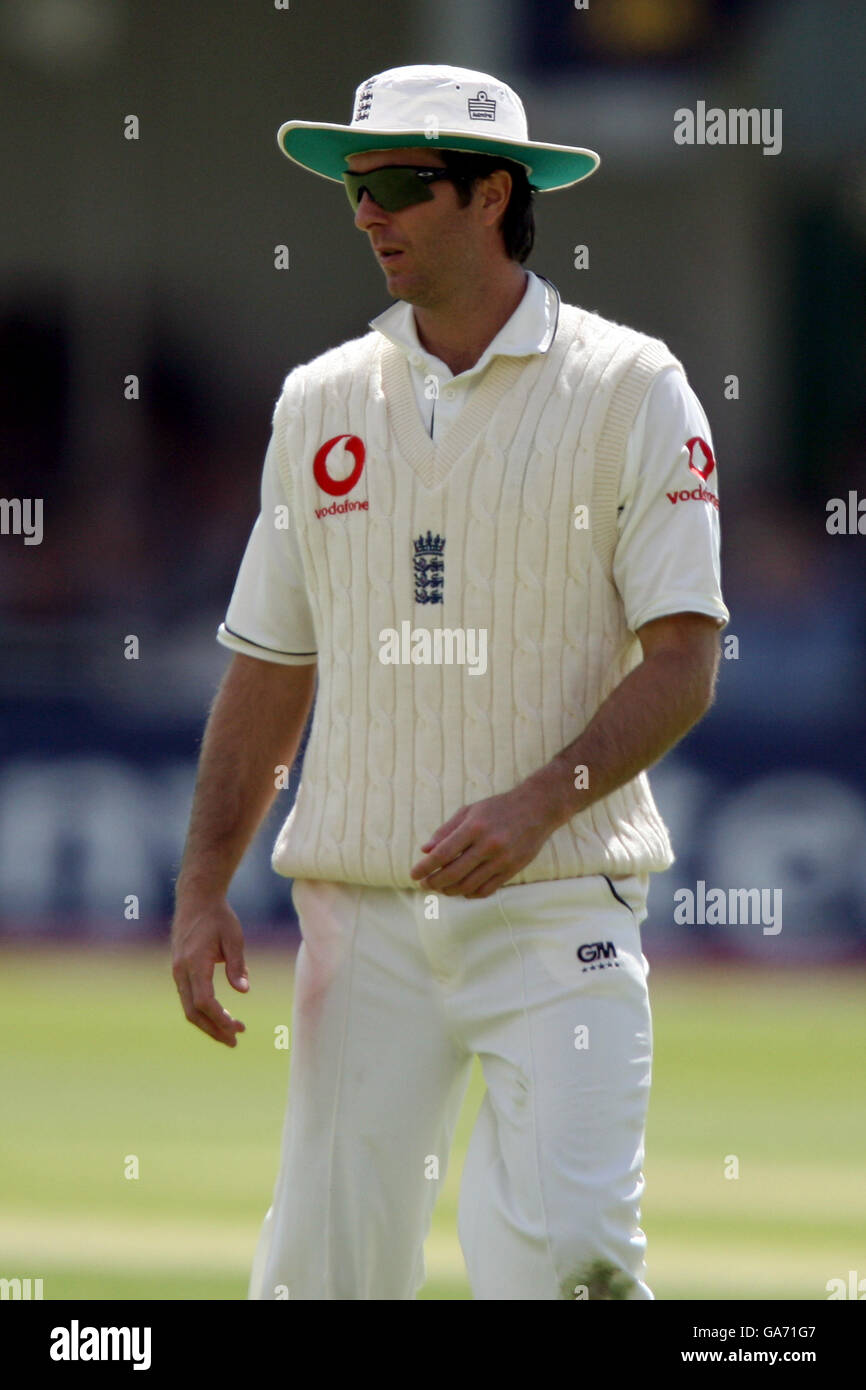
429 567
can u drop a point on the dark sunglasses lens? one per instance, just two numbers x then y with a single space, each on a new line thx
392 189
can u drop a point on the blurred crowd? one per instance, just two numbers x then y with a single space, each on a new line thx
147 500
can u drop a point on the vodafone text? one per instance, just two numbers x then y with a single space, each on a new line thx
697 494
337 508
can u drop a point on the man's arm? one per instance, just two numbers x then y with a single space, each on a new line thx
486 844
255 724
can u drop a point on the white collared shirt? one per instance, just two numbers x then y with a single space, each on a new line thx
530 329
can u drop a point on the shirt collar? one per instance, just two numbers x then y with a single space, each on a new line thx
530 329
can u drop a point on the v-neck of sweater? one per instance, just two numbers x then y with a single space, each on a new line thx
432 462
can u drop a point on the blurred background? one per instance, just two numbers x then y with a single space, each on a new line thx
153 258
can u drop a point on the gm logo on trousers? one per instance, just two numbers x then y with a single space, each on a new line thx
596 955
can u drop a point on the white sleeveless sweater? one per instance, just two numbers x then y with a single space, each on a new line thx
396 749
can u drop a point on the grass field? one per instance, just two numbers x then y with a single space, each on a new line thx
99 1064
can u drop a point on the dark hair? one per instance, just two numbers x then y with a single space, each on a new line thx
518 223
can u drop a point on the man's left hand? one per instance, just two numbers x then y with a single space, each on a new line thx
485 844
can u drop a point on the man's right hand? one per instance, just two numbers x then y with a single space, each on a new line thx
235 787
203 935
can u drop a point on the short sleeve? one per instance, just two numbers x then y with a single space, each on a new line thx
269 613
667 554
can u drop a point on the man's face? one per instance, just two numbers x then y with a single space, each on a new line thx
424 249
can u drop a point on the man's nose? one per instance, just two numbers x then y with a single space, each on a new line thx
368 213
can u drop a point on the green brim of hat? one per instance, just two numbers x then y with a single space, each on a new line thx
323 150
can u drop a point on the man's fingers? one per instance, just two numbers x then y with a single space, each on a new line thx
203 1022
206 1012
191 1012
469 885
201 988
438 879
184 990
211 1008
449 849
467 868
236 970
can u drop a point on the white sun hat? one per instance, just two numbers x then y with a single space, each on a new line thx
452 108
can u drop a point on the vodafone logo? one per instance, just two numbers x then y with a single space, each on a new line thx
702 463
694 444
338 487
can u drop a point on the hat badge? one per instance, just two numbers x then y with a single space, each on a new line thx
482 107
365 101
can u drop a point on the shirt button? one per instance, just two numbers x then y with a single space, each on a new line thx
449 393
415 359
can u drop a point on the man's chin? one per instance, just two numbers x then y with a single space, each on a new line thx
402 284
400 288
396 285
406 295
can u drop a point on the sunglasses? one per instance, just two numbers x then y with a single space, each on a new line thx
394 187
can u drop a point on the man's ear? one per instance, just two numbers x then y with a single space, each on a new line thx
496 191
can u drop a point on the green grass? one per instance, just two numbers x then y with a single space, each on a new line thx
99 1064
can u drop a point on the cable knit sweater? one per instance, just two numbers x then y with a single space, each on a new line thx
395 748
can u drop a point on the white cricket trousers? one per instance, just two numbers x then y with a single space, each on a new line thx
546 983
